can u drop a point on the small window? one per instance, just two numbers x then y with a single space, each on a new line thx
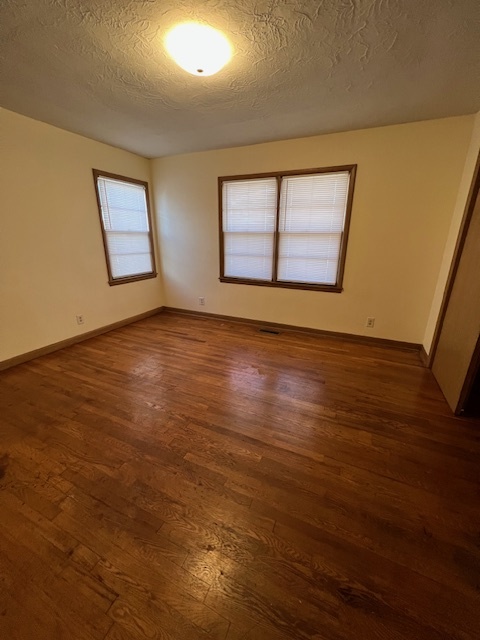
123 204
286 229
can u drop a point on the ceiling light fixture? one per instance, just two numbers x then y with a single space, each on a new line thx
198 48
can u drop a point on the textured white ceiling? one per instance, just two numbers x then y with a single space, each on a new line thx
301 67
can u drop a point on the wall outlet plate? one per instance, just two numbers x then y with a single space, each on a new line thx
80 320
370 323
201 301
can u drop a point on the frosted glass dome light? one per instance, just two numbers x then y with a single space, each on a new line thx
198 48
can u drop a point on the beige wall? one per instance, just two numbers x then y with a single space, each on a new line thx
407 182
459 209
52 263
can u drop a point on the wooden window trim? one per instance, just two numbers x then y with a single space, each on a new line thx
335 288
141 276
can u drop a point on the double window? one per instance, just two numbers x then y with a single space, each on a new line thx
123 204
286 229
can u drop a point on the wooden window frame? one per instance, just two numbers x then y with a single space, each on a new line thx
332 288
133 278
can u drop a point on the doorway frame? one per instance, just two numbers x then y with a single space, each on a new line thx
452 274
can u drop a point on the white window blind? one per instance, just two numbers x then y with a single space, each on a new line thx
311 221
249 218
126 227
293 237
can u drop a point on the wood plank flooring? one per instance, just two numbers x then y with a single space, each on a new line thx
187 479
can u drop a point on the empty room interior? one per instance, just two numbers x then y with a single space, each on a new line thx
239 320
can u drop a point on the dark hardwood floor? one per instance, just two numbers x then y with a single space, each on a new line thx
186 478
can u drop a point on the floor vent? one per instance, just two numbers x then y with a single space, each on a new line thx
272 331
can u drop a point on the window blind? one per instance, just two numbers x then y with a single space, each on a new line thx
249 219
311 221
286 229
126 226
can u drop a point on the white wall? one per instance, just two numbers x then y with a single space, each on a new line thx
459 209
407 182
52 262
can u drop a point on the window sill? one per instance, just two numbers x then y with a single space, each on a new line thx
142 276
284 285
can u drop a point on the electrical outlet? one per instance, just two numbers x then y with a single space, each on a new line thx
370 323
201 301
80 320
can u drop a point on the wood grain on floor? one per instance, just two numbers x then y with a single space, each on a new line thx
186 478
